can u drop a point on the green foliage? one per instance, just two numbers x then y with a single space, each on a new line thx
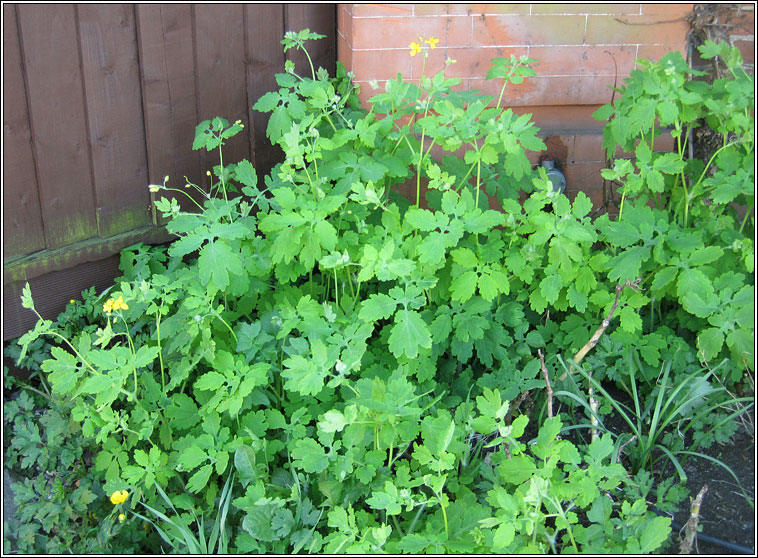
349 355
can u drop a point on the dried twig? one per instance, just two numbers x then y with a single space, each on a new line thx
547 383
589 346
622 446
606 322
515 405
690 528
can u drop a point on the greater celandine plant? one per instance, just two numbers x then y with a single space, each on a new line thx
344 351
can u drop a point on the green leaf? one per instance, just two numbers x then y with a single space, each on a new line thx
96 384
408 334
332 421
705 255
463 286
654 534
26 297
520 468
376 307
421 219
244 463
386 499
551 286
210 381
626 265
582 205
464 257
182 412
199 480
216 261
631 321
303 375
710 341
663 277
191 457
63 370
309 456
503 537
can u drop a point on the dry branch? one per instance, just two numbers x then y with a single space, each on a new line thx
690 528
547 383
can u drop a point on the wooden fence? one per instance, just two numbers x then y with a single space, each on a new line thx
102 99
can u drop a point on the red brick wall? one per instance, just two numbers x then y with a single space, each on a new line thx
576 45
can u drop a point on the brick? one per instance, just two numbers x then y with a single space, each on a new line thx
469 9
514 30
563 118
345 26
399 32
585 177
568 8
588 148
380 64
670 10
656 52
559 147
382 10
365 91
747 49
583 60
344 53
627 30
469 62
573 90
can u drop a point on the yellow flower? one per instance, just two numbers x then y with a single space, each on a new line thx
207 173
153 188
119 304
432 42
119 497
108 306
72 301
415 48
121 517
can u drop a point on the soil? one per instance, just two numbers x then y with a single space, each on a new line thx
725 514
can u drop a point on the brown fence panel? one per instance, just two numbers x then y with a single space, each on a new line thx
112 87
264 29
103 99
167 57
50 51
220 75
23 232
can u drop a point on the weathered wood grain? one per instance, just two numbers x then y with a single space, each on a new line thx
112 87
23 231
50 51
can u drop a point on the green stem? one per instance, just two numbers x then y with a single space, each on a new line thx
478 180
418 168
35 390
227 326
186 194
310 62
416 518
336 290
744 219
160 349
330 121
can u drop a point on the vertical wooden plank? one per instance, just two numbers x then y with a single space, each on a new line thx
168 95
58 122
114 108
264 29
319 18
22 217
221 87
